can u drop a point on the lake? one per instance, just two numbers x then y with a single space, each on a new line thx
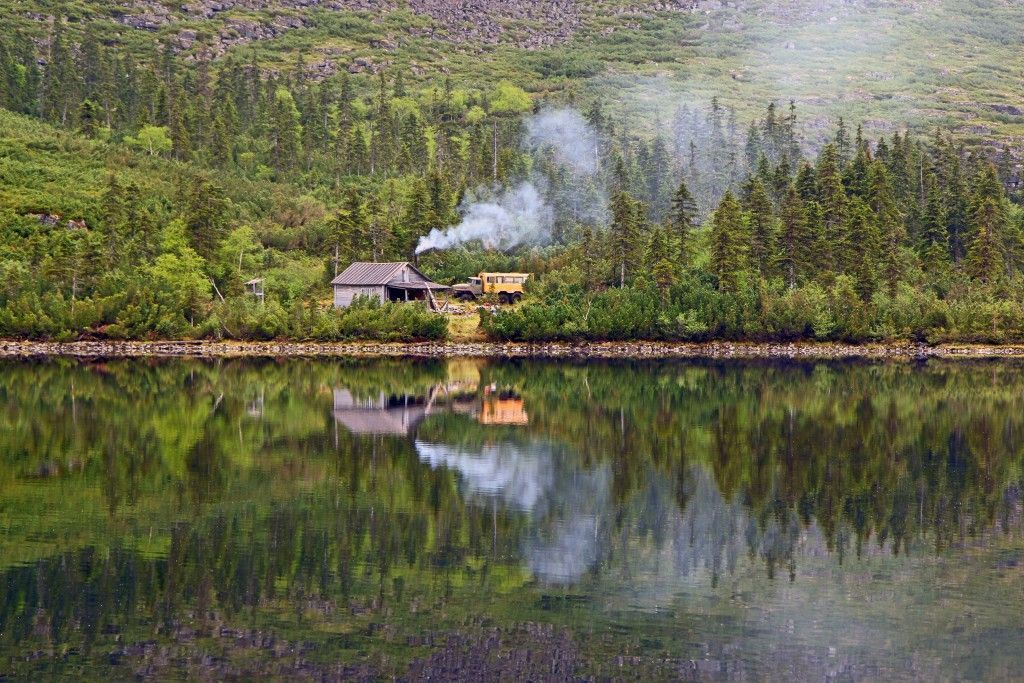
342 519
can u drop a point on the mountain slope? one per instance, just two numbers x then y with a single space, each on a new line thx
928 63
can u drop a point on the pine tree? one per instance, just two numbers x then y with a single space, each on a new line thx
866 246
984 262
728 253
285 131
683 221
795 245
889 224
934 238
761 227
831 198
624 234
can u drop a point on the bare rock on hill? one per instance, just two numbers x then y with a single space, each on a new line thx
1008 109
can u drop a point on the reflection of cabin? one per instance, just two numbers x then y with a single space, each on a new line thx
380 414
384 282
401 414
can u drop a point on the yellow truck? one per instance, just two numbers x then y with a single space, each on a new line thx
508 287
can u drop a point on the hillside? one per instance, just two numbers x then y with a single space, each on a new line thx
753 170
927 63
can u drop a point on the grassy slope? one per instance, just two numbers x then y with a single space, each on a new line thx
48 171
925 64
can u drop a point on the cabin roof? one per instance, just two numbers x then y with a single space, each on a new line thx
362 273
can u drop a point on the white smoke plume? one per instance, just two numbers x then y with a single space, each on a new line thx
504 218
514 217
567 136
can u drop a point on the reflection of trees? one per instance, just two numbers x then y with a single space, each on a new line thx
889 451
205 502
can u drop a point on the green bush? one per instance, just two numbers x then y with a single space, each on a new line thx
368 319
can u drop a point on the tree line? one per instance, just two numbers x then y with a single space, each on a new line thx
902 237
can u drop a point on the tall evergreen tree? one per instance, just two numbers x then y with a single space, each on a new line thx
683 221
866 247
795 244
761 227
831 199
624 234
889 224
728 249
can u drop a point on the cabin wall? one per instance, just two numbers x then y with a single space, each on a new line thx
407 274
344 294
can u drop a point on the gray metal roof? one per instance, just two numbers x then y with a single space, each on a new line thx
361 273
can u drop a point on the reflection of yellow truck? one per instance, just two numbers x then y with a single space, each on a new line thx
503 411
508 287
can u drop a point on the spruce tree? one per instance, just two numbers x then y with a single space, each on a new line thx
934 238
866 247
889 224
659 259
761 227
831 199
984 262
728 252
958 209
285 131
351 228
682 222
795 246
206 214
624 234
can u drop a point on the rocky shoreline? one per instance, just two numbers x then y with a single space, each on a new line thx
595 350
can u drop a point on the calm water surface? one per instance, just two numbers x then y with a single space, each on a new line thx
477 519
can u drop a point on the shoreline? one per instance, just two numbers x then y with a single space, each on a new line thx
14 349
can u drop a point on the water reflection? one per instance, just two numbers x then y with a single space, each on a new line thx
184 500
400 414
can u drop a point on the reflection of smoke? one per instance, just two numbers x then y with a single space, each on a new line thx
571 541
567 505
518 477
569 508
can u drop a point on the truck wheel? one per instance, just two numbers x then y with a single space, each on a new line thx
517 297
466 296
503 298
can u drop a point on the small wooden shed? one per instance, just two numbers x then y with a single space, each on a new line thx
385 282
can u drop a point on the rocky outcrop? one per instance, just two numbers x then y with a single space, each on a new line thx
529 24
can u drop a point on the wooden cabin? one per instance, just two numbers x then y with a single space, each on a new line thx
384 282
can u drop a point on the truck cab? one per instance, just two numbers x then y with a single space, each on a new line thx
508 287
